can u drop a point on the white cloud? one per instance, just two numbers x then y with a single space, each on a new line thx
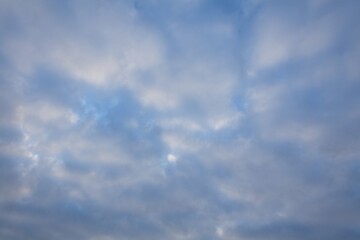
172 158
106 51
220 231
223 122
280 37
149 84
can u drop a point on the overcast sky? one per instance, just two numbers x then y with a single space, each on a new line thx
179 119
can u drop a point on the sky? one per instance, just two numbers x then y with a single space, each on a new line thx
181 119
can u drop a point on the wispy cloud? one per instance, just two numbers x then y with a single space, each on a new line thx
179 120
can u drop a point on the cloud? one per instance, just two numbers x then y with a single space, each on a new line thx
182 120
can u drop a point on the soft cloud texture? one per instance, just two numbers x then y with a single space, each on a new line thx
185 119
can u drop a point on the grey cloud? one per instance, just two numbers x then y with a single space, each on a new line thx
182 120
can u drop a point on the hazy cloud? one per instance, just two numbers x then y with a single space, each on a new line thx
188 119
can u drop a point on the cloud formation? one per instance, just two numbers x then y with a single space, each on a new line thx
188 119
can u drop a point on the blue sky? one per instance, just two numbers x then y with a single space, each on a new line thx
183 119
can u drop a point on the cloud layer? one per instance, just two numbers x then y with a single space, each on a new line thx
188 119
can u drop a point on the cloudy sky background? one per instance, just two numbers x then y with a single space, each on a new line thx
182 119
